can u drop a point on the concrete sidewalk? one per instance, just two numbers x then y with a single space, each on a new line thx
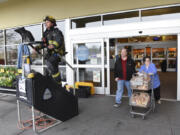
98 117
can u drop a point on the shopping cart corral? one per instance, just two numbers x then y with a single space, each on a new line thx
142 100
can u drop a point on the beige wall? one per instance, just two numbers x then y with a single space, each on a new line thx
22 12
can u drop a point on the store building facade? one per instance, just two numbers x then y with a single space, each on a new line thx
155 30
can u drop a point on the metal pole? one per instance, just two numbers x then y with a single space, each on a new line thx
152 94
74 92
33 119
19 113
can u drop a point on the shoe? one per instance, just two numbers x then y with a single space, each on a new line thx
116 105
159 101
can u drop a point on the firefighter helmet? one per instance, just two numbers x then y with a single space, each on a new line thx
51 19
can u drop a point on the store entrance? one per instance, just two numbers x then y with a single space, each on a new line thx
163 51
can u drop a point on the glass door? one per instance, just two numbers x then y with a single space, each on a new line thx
158 56
137 54
89 59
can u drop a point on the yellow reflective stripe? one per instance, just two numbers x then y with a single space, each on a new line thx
56 75
55 43
50 42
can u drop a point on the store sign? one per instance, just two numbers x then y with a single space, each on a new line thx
82 53
22 88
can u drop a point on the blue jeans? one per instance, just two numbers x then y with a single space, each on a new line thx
120 90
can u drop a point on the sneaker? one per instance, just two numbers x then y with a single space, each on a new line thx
159 101
116 105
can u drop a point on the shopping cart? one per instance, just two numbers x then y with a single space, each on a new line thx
142 101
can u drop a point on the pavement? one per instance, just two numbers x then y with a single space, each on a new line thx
98 117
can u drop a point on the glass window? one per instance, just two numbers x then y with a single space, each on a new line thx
12 37
2 60
90 75
61 26
35 57
1 38
74 53
158 52
86 22
120 18
88 53
112 45
37 69
11 53
105 53
161 11
36 31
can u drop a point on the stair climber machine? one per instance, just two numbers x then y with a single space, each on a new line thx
41 92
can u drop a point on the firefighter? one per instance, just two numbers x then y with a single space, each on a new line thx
53 41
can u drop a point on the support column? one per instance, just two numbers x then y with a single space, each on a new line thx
178 68
69 57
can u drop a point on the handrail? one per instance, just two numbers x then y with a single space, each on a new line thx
74 91
68 64
40 42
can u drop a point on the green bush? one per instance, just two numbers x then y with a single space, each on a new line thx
7 76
